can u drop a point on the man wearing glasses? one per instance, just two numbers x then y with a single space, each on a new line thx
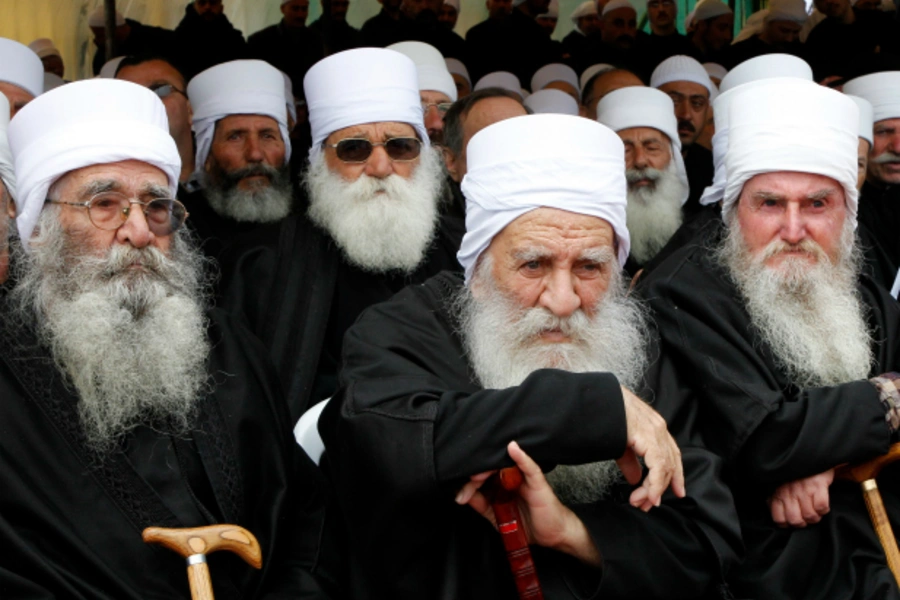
111 374
437 90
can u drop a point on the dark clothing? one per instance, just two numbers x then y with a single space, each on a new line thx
337 36
575 47
298 294
289 49
834 48
516 44
879 212
657 48
204 44
770 432
410 425
143 39
381 30
214 232
426 28
632 59
71 522
698 162
753 47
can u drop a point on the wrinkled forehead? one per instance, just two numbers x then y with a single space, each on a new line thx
130 177
555 233
790 185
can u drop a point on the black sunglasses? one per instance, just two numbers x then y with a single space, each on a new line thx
358 150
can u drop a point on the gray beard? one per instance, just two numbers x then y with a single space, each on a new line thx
131 342
810 315
262 204
379 224
653 213
500 340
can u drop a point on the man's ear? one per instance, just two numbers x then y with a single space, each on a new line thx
450 162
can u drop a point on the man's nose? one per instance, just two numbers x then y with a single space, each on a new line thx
559 295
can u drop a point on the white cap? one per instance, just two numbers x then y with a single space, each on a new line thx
791 125
554 72
7 172
752 26
715 70
554 161
44 47
617 4
591 71
710 9
20 66
98 17
239 87
453 3
882 90
588 7
52 81
289 99
109 68
682 68
501 79
456 67
432 70
866 129
640 106
552 102
364 85
787 10
766 66
92 122
552 11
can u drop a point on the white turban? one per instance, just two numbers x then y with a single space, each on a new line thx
432 71
20 66
715 70
456 67
591 71
92 122
554 72
710 9
791 125
534 161
501 79
365 85
98 17
787 10
682 68
7 174
110 68
617 4
239 87
640 106
552 102
289 96
882 90
766 66
453 3
552 11
752 26
588 7
44 47
866 130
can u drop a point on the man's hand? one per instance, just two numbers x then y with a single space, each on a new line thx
649 438
546 521
802 502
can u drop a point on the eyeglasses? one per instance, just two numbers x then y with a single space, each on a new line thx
165 90
358 150
442 107
110 210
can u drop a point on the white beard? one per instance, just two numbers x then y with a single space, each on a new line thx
653 212
810 315
502 343
132 342
261 204
379 224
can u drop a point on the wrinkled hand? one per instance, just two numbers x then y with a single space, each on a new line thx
649 438
802 502
545 520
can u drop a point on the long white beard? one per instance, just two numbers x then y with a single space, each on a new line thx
380 224
132 341
653 213
503 345
260 204
810 315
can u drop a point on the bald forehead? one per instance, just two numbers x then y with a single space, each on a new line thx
614 80
487 112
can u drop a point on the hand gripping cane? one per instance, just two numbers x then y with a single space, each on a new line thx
194 544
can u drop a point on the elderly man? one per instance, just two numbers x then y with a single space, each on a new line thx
113 374
786 349
206 37
7 192
654 169
372 226
779 34
437 89
21 75
712 30
601 84
531 360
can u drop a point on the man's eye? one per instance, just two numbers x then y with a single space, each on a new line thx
532 265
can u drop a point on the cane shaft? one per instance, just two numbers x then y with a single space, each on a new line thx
882 526
198 578
509 522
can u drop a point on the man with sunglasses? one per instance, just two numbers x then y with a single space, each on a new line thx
112 371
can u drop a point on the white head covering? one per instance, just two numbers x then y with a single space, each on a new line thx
866 130
554 72
239 87
787 10
552 102
98 17
453 3
44 47
715 70
52 81
289 96
20 66
500 79
588 7
591 71
109 68
430 66
534 161
552 10
766 66
882 90
682 68
616 4
456 67
86 123
365 85
7 173
644 107
710 9
791 125
752 26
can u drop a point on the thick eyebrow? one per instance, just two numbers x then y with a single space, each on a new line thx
600 256
155 190
530 254
821 194
98 186
767 196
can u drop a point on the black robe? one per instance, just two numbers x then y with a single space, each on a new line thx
835 48
657 48
752 47
204 44
381 30
213 231
409 426
70 523
770 432
879 212
289 49
516 44
698 162
143 39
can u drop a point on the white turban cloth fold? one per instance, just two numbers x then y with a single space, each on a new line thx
92 122
7 172
433 74
683 68
866 123
617 4
645 107
20 66
792 125
588 7
554 72
882 90
456 67
365 85
591 71
552 101
710 9
239 87
535 161
501 79
787 10
44 47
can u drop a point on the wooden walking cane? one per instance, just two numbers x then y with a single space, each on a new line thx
194 544
504 486
865 474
